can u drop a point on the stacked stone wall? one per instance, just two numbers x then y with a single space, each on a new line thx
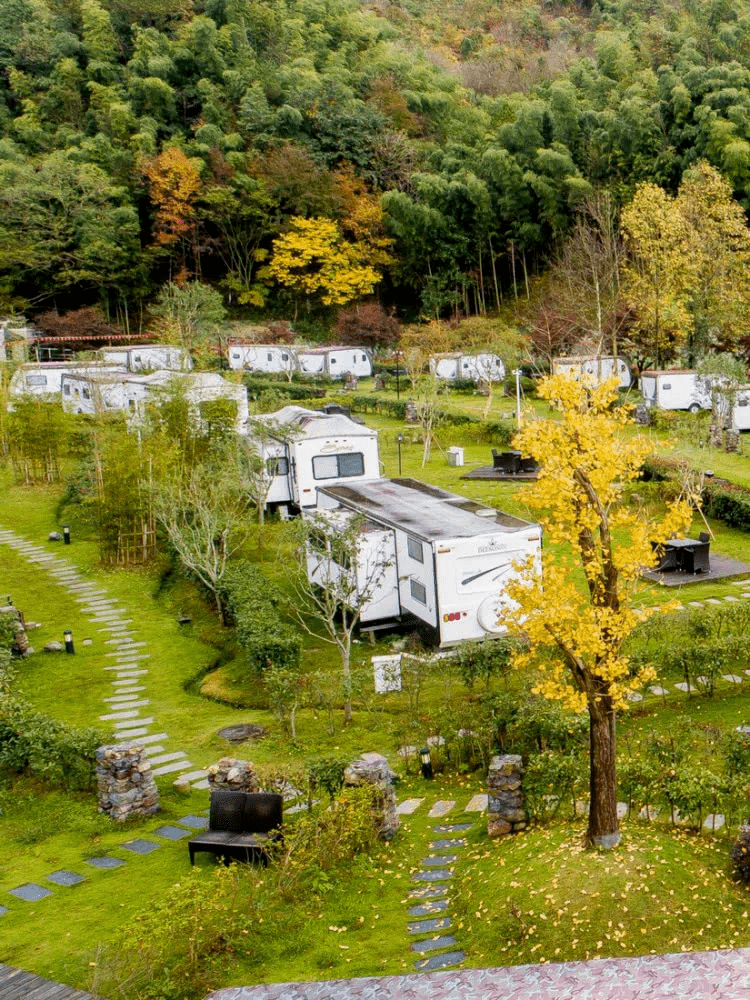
125 782
506 806
373 769
233 775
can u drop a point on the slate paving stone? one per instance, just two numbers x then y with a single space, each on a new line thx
172 832
3 909
166 757
436 875
429 908
441 808
194 822
105 862
477 803
131 735
193 775
30 892
139 846
64 877
182 765
439 860
452 827
429 892
435 944
447 844
444 961
132 723
429 926
408 806
154 738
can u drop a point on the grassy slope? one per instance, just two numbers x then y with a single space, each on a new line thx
58 936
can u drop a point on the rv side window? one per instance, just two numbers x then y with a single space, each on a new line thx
414 548
351 465
364 357
418 591
742 401
284 357
332 466
86 393
325 466
36 380
235 357
136 357
277 465
66 389
667 385
333 361
269 356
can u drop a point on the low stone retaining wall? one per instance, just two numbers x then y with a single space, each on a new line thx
506 807
373 769
125 783
233 775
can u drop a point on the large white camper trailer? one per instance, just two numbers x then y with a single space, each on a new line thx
679 389
45 378
148 357
100 392
596 368
262 358
305 449
336 362
448 559
480 367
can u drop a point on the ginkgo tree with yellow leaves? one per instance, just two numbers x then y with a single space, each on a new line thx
578 612
313 258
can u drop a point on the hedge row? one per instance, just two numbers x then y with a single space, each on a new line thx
252 602
728 503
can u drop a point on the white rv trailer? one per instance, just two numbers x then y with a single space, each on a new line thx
481 367
335 362
449 558
94 393
596 367
44 378
262 357
679 389
306 449
148 357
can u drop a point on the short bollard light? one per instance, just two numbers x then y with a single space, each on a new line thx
424 756
66 534
68 636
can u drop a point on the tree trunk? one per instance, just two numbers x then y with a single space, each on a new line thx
603 830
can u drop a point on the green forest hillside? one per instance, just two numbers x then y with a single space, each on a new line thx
292 152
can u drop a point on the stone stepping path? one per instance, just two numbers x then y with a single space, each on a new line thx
428 900
129 654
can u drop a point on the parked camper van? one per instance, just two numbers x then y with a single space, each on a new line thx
597 368
262 357
679 389
97 392
480 367
148 357
45 378
446 559
306 449
335 362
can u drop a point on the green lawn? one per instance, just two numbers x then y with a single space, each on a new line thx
537 897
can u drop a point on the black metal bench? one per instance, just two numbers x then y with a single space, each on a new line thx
241 826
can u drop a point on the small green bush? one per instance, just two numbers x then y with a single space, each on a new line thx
252 601
728 503
741 856
31 742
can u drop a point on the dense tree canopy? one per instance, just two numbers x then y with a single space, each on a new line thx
165 140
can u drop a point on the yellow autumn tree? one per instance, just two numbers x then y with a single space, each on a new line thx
313 259
660 271
578 611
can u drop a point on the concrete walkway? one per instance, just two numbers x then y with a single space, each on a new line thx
711 975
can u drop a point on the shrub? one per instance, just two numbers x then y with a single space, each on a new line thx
480 660
551 778
728 503
252 601
30 741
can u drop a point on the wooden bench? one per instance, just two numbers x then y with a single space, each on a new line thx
241 826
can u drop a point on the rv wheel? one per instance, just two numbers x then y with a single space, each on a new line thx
694 408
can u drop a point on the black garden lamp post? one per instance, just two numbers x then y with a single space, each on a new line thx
68 636
426 761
